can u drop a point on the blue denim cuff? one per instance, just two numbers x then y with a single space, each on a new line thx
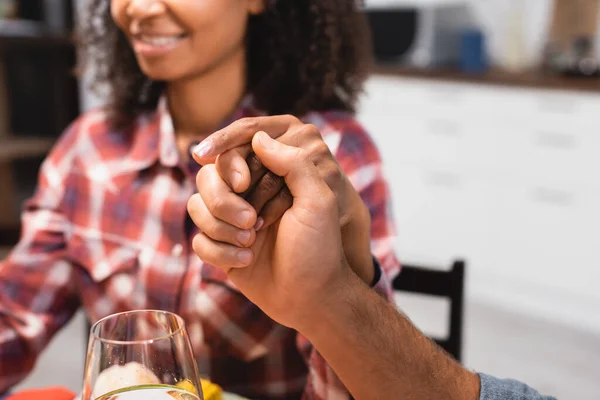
507 389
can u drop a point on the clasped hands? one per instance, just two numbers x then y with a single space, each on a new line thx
277 213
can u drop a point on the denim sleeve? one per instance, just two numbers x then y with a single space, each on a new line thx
507 389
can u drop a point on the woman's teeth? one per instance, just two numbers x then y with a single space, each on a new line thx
160 40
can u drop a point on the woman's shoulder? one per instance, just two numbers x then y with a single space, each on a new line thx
92 140
84 126
96 128
92 123
97 122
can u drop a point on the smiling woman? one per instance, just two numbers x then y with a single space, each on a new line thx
296 55
114 194
178 39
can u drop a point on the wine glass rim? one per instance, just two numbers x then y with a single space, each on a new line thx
142 341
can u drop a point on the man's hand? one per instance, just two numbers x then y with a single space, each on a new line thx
231 151
282 271
298 276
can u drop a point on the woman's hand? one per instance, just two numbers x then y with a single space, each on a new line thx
231 151
294 266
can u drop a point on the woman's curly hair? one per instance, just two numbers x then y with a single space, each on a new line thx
302 55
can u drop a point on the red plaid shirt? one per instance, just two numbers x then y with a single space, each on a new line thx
108 230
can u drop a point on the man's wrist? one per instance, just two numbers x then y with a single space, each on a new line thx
356 237
335 306
364 268
356 234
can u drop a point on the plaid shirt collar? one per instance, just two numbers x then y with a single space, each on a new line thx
154 139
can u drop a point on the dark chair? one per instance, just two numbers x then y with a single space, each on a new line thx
449 284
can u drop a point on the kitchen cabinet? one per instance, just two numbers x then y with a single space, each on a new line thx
503 176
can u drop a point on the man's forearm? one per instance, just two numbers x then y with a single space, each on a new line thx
378 353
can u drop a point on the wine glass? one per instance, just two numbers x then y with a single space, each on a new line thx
143 354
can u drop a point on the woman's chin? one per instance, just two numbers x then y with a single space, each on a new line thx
162 74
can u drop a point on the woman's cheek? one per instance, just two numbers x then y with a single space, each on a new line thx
118 12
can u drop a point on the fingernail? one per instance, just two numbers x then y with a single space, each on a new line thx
265 140
203 149
244 256
244 217
236 179
244 237
259 224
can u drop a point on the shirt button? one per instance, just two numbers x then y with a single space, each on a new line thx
177 250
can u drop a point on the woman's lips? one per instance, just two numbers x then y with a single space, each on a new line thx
155 45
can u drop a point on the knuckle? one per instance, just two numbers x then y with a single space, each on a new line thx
213 229
254 163
320 149
311 130
248 124
292 118
335 174
308 136
282 202
286 195
270 183
221 137
277 207
216 206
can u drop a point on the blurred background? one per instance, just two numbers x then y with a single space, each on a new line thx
486 115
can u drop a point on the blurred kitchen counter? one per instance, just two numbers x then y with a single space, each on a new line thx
533 79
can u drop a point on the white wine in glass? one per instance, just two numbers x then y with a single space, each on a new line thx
142 354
